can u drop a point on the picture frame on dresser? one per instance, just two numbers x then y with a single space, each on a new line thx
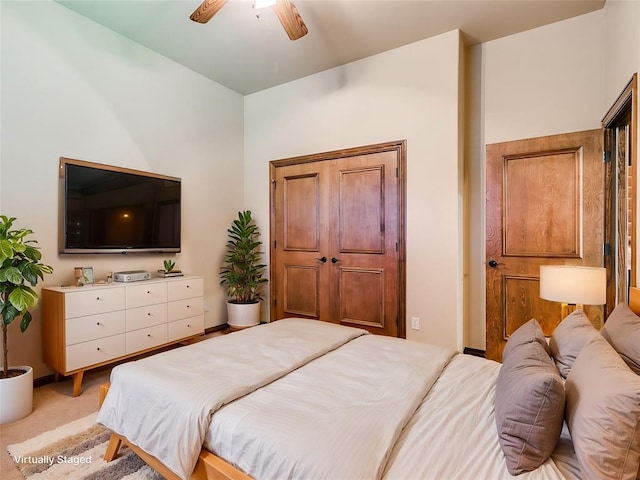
88 328
87 273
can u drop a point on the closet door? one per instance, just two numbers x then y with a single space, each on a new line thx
363 262
299 248
337 242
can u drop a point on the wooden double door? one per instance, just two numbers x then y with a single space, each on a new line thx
337 238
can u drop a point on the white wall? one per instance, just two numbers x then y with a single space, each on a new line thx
408 93
73 88
541 82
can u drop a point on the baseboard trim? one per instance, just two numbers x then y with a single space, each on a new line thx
217 328
476 352
42 381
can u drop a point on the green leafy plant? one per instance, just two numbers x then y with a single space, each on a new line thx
19 265
168 265
242 274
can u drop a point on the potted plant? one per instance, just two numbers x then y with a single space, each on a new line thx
242 274
20 269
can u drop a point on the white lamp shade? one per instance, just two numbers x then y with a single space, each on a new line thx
572 284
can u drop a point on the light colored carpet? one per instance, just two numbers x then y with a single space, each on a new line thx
76 451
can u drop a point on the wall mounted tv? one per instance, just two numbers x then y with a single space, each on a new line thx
107 209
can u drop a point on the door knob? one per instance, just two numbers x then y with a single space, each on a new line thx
323 259
494 264
334 260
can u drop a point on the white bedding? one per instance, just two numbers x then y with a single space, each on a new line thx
316 423
311 400
453 434
164 403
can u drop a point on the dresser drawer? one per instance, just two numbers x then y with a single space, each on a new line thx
149 294
96 351
83 329
143 317
185 308
189 288
186 327
146 338
93 301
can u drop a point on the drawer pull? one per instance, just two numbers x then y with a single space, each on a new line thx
148 291
148 314
188 306
187 286
98 348
98 298
97 323
188 326
148 334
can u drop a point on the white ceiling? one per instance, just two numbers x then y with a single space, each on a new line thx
249 54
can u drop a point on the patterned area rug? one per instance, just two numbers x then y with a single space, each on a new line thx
75 451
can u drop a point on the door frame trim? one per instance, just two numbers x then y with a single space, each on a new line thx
400 147
627 100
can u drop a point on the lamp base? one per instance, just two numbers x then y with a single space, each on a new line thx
568 308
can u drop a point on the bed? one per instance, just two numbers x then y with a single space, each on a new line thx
306 399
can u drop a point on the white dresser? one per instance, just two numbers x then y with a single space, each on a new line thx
86 327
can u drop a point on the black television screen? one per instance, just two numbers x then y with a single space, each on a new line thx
108 209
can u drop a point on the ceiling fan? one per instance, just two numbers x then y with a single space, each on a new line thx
285 10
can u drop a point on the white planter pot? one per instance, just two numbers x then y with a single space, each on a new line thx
243 315
16 396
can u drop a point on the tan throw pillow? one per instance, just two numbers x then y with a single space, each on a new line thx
603 413
526 333
529 407
622 331
568 339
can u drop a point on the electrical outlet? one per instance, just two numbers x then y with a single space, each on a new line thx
415 323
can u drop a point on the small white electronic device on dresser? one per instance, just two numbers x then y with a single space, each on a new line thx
91 326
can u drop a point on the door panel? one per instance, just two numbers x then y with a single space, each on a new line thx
296 237
363 278
337 237
361 217
354 311
301 291
544 206
301 215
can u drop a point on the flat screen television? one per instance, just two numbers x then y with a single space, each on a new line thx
107 209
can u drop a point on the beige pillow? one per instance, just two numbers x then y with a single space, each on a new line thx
603 413
568 339
526 333
529 407
622 331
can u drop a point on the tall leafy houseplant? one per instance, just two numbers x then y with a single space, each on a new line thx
20 269
242 273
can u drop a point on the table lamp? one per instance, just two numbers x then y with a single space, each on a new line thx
573 285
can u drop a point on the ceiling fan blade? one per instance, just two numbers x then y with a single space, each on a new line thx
290 19
206 10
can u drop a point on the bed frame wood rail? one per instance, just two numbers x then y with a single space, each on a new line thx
208 467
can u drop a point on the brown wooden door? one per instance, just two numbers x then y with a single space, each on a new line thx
337 246
544 206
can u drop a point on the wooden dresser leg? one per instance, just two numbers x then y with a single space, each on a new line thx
113 447
77 383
